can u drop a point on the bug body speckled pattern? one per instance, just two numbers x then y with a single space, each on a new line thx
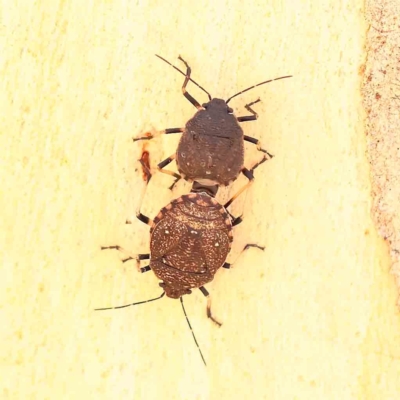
190 240
211 146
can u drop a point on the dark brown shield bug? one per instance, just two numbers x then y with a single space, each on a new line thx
190 240
211 149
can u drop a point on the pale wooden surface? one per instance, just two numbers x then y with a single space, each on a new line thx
312 317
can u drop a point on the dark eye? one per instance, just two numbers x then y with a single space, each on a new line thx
204 105
230 111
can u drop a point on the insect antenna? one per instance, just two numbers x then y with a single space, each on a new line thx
194 337
259 84
173 66
128 305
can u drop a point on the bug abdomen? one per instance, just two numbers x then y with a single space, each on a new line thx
194 261
190 240
219 159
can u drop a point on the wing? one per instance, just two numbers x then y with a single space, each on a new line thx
166 235
216 246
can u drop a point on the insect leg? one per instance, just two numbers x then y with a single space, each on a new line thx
187 79
209 315
249 117
237 220
257 164
163 164
141 217
249 175
230 265
259 146
164 132
131 256
253 118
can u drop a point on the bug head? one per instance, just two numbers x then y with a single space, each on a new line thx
217 106
174 291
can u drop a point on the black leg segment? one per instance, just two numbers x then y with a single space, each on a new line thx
139 257
249 175
236 221
141 217
257 143
131 256
248 246
163 164
249 117
209 315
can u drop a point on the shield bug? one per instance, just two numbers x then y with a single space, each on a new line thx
211 149
190 239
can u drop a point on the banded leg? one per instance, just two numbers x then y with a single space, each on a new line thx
235 220
131 256
254 115
164 132
259 147
248 173
163 164
253 118
141 217
248 246
207 295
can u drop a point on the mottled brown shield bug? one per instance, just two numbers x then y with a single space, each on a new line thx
211 149
190 239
